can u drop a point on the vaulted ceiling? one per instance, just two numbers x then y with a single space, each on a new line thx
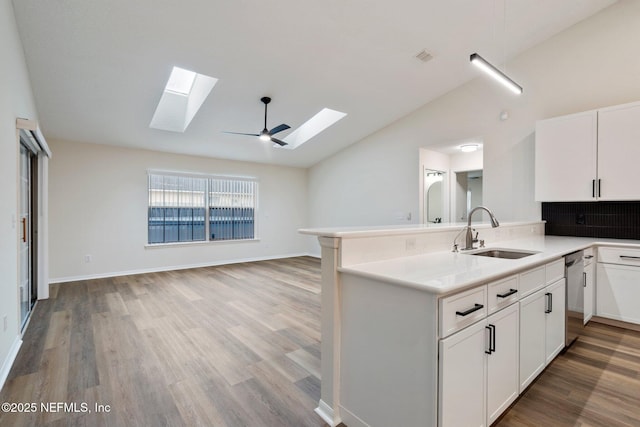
98 68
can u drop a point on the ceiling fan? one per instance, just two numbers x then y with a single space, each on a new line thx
267 135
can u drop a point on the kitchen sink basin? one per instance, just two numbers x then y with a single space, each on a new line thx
503 253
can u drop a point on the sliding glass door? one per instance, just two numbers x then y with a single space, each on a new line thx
27 284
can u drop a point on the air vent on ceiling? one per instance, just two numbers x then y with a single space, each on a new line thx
424 56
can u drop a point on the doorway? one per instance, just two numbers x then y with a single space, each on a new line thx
27 281
468 193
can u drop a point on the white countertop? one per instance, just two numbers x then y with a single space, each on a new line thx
447 272
390 230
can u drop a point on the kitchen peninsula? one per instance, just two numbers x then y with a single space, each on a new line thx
398 308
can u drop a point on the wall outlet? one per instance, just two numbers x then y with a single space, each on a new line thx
87 259
410 244
5 323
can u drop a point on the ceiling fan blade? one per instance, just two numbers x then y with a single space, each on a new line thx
279 128
277 141
240 133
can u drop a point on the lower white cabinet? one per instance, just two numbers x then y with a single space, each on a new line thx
502 363
478 369
618 292
542 330
555 328
589 292
618 283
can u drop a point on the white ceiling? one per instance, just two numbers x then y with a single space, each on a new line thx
98 67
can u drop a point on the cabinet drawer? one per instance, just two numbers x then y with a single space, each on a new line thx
531 281
554 271
461 310
501 293
623 256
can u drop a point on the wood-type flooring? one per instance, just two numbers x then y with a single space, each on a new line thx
239 345
235 345
596 382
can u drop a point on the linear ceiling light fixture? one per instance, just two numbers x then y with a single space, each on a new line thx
498 75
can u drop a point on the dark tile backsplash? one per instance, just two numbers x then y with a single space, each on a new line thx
617 220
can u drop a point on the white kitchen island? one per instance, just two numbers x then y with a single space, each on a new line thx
386 295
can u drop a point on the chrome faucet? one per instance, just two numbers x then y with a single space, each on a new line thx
469 236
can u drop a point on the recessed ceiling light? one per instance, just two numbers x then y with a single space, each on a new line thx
181 99
316 124
468 148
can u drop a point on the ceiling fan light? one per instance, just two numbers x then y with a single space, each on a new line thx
265 137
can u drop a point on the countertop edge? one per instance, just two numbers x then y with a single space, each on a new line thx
391 230
439 291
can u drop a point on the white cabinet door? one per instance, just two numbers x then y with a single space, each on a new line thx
463 377
589 290
502 363
618 292
542 330
565 158
618 152
555 319
532 337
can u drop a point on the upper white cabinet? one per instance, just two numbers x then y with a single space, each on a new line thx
588 156
565 158
618 152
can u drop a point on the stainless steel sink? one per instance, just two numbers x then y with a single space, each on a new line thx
503 253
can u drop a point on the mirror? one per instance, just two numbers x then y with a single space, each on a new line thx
434 195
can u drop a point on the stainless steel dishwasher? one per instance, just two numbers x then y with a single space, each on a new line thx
574 269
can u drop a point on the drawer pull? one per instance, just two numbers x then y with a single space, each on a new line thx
588 256
507 294
634 258
476 307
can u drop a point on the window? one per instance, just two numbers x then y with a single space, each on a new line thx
186 208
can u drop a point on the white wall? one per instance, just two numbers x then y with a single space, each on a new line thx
592 64
98 207
16 101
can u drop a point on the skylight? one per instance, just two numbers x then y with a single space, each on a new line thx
181 99
316 124
181 81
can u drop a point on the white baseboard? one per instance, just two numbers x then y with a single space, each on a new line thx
171 268
8 361
326 413
351 420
